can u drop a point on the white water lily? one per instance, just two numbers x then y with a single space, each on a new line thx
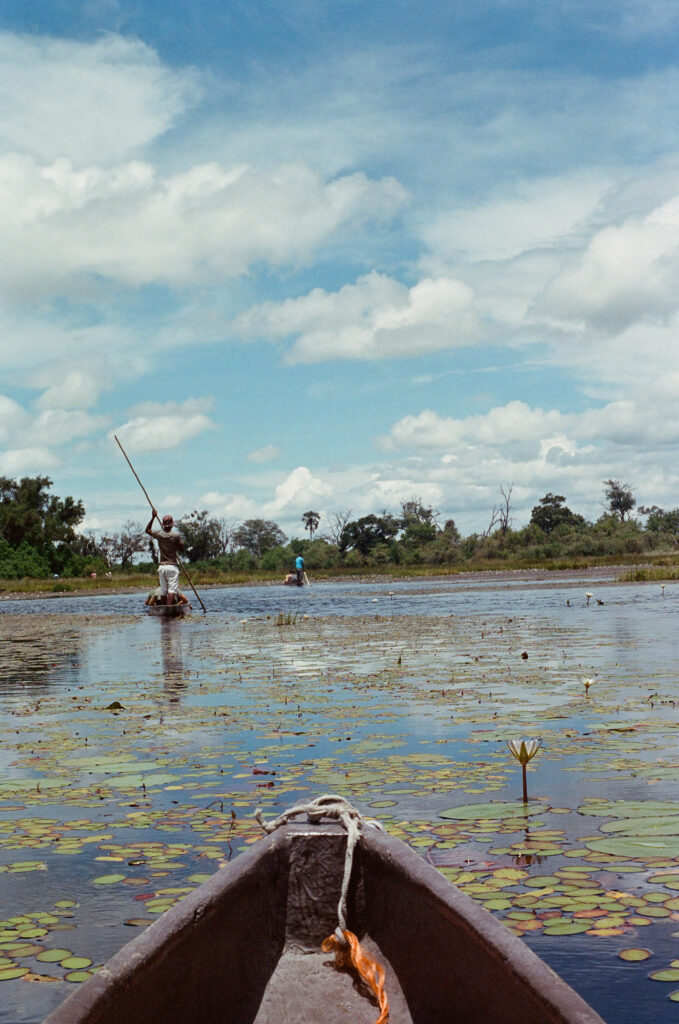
524 751
587 683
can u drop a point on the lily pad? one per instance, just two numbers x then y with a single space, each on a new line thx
669 974
493 811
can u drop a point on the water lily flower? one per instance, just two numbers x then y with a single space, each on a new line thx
524 751
588 596
587 683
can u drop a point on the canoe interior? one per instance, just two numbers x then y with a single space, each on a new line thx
245 948
168 610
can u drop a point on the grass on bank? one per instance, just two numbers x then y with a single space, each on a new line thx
653 568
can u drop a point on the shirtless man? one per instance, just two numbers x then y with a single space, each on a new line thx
170 543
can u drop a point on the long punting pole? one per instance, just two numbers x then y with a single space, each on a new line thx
181 564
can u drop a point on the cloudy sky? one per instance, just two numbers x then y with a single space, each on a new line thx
333 254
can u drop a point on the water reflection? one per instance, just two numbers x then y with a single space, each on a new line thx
172 657
30 657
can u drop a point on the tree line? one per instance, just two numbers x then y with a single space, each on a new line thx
39 535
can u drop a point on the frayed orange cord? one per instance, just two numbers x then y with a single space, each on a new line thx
370 972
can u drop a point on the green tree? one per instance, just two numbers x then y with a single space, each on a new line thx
29 513
551 511
660 521
203 536
311 520
365 533
418 521
620 499
258 536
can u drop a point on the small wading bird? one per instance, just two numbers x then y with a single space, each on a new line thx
524 751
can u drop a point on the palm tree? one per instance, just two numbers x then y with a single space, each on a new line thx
311 520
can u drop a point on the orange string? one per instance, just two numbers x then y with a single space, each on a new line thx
372 973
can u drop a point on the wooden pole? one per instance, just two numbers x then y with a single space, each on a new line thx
181 564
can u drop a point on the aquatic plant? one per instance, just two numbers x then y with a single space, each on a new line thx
524 751
286 619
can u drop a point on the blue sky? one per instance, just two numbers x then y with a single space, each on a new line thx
335 255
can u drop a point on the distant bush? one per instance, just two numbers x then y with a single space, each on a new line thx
23 561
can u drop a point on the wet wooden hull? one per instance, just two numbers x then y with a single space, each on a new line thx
168 610
244 948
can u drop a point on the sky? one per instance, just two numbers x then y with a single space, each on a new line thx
336 254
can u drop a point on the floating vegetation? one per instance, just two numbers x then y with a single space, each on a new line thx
410 718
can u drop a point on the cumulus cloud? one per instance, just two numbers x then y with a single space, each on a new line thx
97 100
299 488
132 226
156 426
627 272
375 318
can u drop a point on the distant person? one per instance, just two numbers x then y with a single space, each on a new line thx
170 543
291 578
299 570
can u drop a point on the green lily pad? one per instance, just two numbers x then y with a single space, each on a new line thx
76 963
633 955
53 956
492 811
10 973
637 847
669 974
566 927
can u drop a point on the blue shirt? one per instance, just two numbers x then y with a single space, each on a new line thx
299 562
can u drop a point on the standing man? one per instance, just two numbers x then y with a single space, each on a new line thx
299 569
170 543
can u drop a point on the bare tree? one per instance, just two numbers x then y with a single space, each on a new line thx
501 514
335 528
227 528
122 547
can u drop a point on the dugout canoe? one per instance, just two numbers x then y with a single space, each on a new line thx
168 610
244 948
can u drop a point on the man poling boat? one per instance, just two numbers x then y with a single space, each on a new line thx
170 543
169 522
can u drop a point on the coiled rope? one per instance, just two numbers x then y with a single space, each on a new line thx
343 943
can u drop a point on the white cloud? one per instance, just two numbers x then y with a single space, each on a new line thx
132 226
75 390
626 273
266 454
530 214
300 488
88 101
58 426
19 462
156 426
375 318
13 418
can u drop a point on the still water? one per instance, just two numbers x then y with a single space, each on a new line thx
135 750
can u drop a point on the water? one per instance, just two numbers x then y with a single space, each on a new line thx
399 694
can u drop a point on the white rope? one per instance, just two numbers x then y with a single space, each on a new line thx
337 809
